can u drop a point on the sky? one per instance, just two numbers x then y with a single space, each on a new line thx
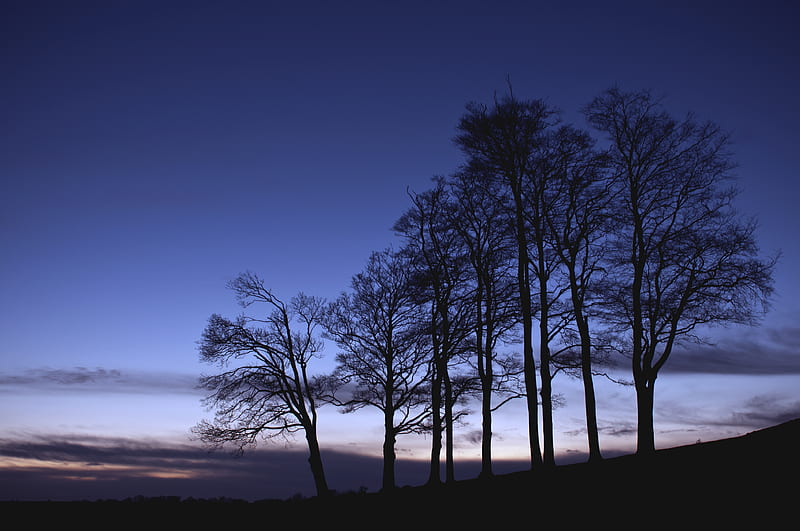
152 151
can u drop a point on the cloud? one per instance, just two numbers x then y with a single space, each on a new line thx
61 467
765 410
618 430
758 352
743 351
78 379
85 467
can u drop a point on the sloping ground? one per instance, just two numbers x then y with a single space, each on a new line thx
744 481
747 480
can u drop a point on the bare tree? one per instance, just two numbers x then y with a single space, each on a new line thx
541 192
503 141
685 257
266 389
384 355
579 220
440 277
480 217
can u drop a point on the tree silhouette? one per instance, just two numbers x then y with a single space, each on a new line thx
480 217
579 220
384 355
503 142
440 277
638 240
266 389
540 193
684 258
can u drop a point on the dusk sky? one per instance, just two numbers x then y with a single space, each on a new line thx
152 151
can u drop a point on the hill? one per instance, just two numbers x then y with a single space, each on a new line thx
748 479
751 479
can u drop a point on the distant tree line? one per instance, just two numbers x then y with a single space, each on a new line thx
545 240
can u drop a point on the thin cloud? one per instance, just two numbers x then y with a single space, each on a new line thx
760 352
618 430
78 379
754 412
84 467
735 351
788 337
61 467
766 410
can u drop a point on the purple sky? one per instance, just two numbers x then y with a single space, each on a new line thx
153 150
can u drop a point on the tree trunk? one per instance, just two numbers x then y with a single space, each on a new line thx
544 367
529 364
644 392
444 357
590 402
389 457
435 474
486 376
645 388
529 367
448 422
315 460
487 379
486 424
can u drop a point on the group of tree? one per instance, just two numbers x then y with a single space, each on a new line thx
546 251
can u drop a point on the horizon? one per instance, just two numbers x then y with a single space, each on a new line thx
260 475
155 151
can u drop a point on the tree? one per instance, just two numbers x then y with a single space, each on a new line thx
480 219
685 259
540 193
384 354
439 276
266 389
579 220
503 142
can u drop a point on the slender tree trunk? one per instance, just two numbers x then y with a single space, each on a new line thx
435 474
590 402
487 382
448 422
544 364
644 391
315 460
389 438
547 397
485 376
389 457
446 350
529 364
486 441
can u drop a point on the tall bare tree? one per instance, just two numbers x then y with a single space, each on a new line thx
480 217
440 276
579 220
685 258
384 355
540 190
266 389
503 141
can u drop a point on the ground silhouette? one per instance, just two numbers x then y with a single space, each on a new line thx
750 479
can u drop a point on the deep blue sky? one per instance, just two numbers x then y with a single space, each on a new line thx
151 151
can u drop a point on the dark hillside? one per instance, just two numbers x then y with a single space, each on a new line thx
746 480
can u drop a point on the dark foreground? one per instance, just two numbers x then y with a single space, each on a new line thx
747 480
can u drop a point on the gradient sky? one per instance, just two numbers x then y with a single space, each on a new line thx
152 151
